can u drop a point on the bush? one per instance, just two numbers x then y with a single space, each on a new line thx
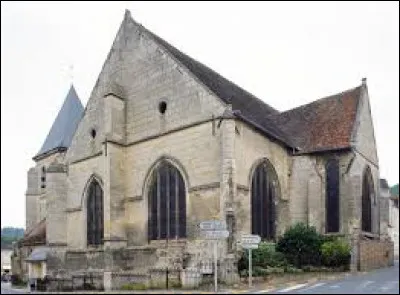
336 253
264 257
134 286
174 284
301 245
17 281
291 269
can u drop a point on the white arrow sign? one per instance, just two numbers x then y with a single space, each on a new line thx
217 234
250 239
213 225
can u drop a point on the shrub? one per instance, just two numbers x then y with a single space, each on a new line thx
17 281
301 245
265 257
336 253
291 269
134 286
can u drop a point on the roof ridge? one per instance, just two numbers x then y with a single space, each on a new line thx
165 44
243 102
317 101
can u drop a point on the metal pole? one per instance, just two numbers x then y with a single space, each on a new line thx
250 269
215 267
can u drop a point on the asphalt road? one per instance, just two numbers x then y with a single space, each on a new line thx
6 289
381 281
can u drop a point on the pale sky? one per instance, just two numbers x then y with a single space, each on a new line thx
287 54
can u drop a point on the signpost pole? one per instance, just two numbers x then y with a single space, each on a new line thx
250 268
215 267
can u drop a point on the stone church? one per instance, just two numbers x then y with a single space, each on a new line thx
120 186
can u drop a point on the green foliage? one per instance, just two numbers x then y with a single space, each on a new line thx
261 272
336 253
394 190
267 256
174 283
16 281
12 232
301 245
292 269
300 249
6 242
263 258
10 235
134 286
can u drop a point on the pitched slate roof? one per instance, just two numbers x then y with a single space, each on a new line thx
244 105
65 124
324 124
37 234
38 254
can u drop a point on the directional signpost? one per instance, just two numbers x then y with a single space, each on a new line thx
250 242
214 230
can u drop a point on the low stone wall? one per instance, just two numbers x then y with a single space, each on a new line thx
375 254
82 281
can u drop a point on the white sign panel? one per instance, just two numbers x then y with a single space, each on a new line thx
213 225
250 239
217 234
250 246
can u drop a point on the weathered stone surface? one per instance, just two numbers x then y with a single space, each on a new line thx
216 156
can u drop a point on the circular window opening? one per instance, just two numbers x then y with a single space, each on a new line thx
162 107
93 133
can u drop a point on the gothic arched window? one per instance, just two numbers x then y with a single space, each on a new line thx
167 204
263 196
368 194
95 216
332 197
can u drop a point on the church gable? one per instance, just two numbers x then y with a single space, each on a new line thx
363 137
162 89
90 134
161 94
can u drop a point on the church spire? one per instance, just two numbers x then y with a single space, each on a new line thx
64 126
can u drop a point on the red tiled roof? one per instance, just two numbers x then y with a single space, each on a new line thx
325 124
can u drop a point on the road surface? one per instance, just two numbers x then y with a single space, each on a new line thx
381 281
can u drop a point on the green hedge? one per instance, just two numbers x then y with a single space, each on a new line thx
265 260
301 248
301 245
336 253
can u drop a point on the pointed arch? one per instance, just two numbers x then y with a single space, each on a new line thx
94 212
368 194
93 177
166 195
164 158
332 196
265 192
